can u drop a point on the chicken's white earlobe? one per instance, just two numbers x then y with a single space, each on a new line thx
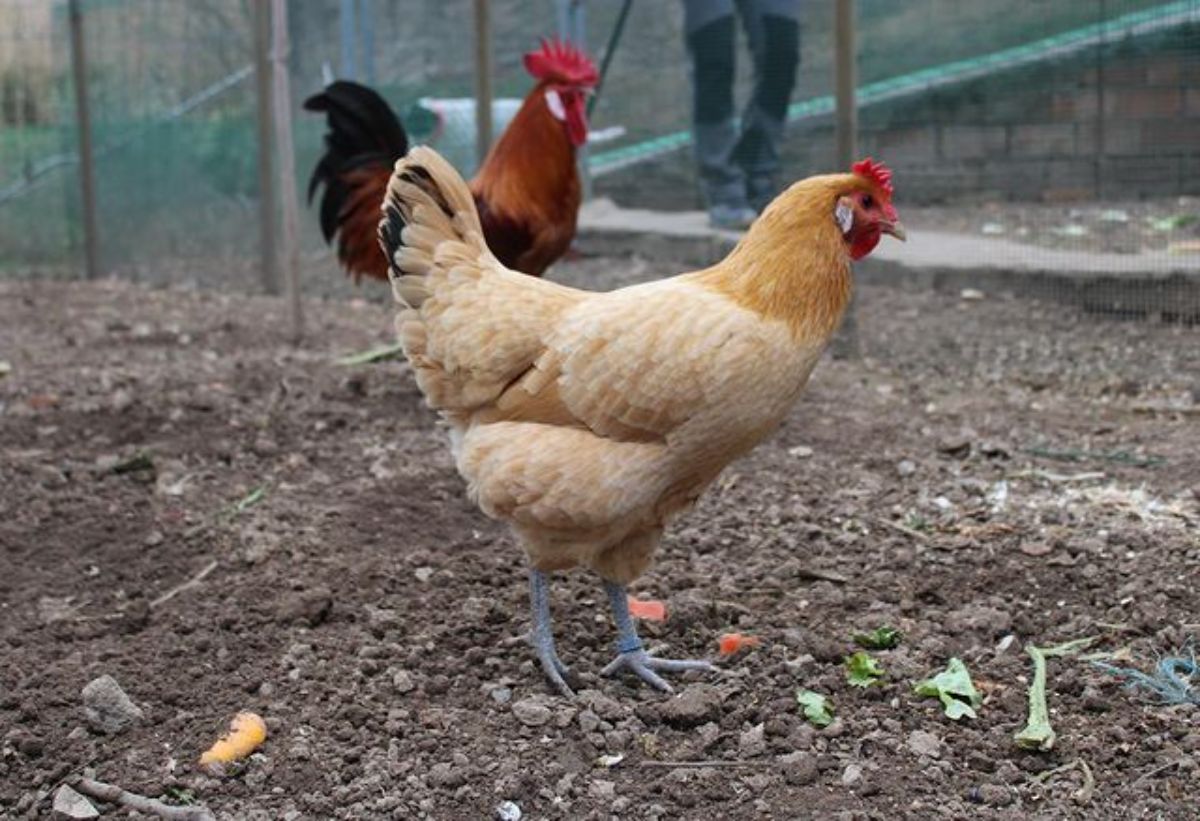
843 215
555 104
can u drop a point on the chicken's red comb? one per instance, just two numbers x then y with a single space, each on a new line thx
876 172
560 62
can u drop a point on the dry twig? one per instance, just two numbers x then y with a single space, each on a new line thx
905 529
1086 791
1153 408
115 795
188 585
1156 770
674 765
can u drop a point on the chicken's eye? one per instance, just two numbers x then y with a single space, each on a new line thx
868 201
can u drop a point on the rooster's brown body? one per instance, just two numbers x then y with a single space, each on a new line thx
527 190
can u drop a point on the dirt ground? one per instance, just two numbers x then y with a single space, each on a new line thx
991 474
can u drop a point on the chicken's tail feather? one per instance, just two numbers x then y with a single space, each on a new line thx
364 139
430 224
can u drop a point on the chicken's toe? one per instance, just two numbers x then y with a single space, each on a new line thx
644 666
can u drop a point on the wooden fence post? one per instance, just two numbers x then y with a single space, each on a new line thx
282 103
267 206
87 168
483 79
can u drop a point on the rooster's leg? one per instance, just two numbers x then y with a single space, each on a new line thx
543 635
632 657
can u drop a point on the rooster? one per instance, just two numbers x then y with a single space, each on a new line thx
587 420
527 191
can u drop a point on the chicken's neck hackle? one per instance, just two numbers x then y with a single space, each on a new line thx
532 165
793 266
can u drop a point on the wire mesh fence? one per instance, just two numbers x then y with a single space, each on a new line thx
1061 136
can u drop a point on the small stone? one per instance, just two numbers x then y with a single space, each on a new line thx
603 790
835 729
1009 772
531 713
423 574
564 716
589 722
955 445
475 609
51 477
982 762
70 804
905 467
606 708
1093 700
403 682
445 776
758 784
852 775
753 742
980 618
121 400
800 664
437 685
925 744
106 706
29 744
995 795
799 768
264 446
508 811
708 734
309 607
501 695
697 704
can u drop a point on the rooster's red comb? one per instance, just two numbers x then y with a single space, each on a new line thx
560 62
876 172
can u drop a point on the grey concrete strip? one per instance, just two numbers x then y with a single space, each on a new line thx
925 249
942 249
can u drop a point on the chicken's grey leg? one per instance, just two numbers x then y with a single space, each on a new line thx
542 636
631 655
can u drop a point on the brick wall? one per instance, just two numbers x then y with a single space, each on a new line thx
1119 123
1124 123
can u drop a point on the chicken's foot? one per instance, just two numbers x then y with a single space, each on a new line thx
542 636
632 656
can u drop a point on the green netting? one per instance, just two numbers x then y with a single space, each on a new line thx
968 101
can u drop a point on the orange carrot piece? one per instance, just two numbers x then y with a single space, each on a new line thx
647 609
730 643
246 732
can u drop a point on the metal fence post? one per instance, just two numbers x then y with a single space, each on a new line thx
282 105
483 79
87 170
847 344
268 254
846 79
348 29
366 24
572 25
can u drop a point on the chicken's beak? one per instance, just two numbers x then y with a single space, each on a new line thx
895 229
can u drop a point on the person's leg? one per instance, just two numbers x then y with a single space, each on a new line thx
773 30
709 31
